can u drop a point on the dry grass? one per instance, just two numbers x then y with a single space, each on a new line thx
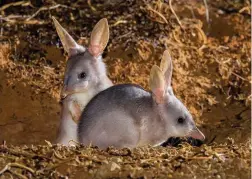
211 76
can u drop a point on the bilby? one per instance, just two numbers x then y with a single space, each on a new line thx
126 115
85 76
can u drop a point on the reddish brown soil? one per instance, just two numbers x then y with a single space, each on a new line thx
211 72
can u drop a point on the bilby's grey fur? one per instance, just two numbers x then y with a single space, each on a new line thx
85 76
81 91
128 116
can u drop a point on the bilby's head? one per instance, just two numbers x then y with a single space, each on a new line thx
85 67
178 119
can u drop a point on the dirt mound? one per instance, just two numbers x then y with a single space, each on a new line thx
49 161
211 76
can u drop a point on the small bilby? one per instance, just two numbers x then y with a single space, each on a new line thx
85 76
128 116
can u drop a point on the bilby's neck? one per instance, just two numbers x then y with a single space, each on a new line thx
82 98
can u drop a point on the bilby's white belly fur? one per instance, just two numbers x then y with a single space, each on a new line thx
68 127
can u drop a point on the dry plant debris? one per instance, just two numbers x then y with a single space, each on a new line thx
212 76
185 161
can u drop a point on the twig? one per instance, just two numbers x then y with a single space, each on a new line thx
247 8
4 169
12 19
170 4
200 32
175 38
46 141
90 5
42 9
9 165
119 22
203 35
15 20
124 35
57 155
22 3
207 16
48 8
235 74
219 157
207 11
158 13
75 142
21 166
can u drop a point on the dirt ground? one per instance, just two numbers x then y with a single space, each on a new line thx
211 76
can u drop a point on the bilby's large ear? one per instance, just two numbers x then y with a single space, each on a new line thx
166 67
157 84
99 38
70 46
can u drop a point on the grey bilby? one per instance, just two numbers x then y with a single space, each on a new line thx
128 116
85 76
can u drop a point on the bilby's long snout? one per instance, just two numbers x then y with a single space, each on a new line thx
65 91
197 134
74 88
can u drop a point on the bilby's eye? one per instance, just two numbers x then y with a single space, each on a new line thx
82 75
181 120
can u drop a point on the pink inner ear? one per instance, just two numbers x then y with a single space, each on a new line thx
159 95
95 50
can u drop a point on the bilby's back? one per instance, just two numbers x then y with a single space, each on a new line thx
128 116
113 109
109 118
